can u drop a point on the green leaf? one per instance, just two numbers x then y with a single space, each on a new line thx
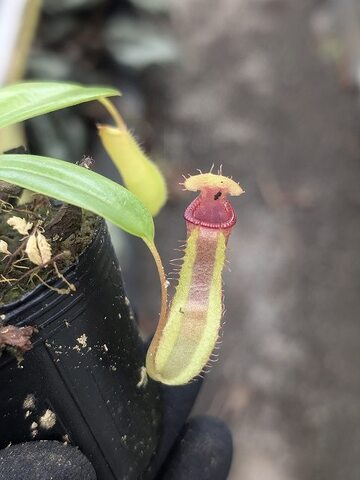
140 175
81 187
25 100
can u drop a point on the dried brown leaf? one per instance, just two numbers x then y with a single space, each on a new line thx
38 249
20 225
32 250
4 247
44 247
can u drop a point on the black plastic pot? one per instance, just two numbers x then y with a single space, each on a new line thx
79 383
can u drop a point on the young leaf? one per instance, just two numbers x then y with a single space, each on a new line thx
81 187
25 100
140 175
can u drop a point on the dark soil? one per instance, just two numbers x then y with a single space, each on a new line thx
67 229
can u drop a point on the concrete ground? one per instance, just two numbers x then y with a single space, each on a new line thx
253 95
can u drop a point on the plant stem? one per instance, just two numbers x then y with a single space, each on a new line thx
13 256
115 115
163 282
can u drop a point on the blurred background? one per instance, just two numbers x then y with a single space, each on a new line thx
269 90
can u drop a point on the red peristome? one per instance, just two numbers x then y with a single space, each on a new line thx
211 209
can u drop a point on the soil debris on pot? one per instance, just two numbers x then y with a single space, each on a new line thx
34 429
82 340
29 402
48 420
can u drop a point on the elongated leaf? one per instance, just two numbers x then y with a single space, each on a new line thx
81 187
140 175
25 100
